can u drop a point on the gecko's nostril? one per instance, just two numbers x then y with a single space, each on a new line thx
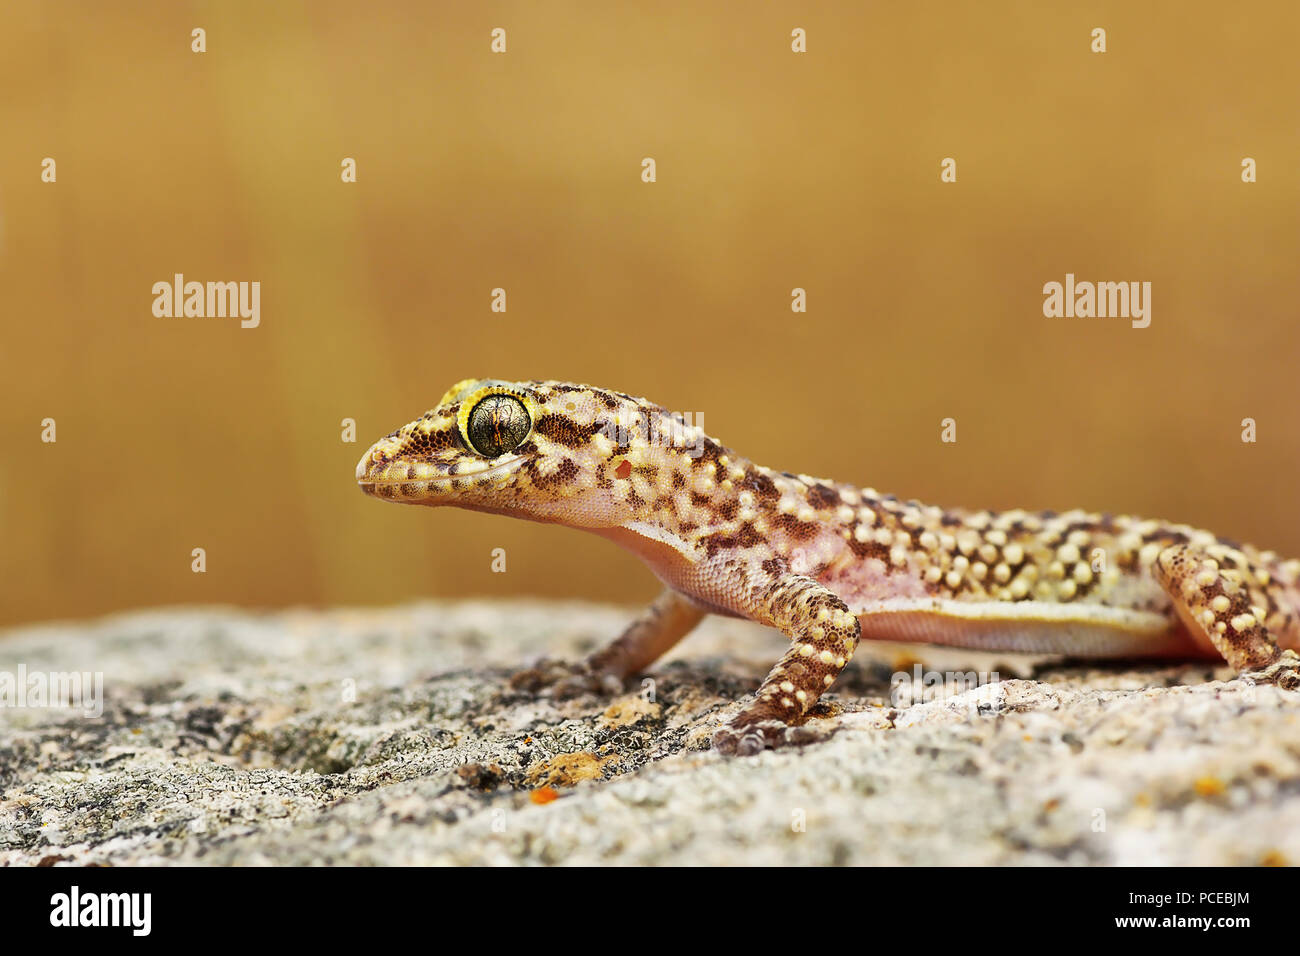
383 462
374 459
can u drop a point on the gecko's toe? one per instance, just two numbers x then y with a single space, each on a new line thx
1283 672
751 733
563 680
738 743
734 743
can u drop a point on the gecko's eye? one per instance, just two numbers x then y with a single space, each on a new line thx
497 424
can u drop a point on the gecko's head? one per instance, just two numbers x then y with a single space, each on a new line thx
547 451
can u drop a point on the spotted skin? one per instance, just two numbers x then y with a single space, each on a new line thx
827 563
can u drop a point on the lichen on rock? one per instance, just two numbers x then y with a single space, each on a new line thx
396 737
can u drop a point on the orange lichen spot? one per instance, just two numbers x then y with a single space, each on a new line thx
544 795
630 710
1209 787
567 770
624 469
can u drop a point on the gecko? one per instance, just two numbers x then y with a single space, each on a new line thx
830 564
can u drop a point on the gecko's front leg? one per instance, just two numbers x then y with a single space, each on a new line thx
823 632
654 632
667 619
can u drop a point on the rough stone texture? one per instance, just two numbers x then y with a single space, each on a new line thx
377 737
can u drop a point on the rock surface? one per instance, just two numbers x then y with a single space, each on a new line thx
395 737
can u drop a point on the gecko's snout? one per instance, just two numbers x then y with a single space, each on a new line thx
423 463
377 457
384 471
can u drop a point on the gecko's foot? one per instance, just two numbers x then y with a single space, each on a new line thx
564 680
759 728
745 741
1284 672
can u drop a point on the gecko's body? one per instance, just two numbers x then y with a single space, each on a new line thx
828 563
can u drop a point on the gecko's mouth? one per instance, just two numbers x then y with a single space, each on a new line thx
397 480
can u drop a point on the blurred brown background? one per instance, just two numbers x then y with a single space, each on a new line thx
522 170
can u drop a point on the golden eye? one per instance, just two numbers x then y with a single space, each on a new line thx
497 424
